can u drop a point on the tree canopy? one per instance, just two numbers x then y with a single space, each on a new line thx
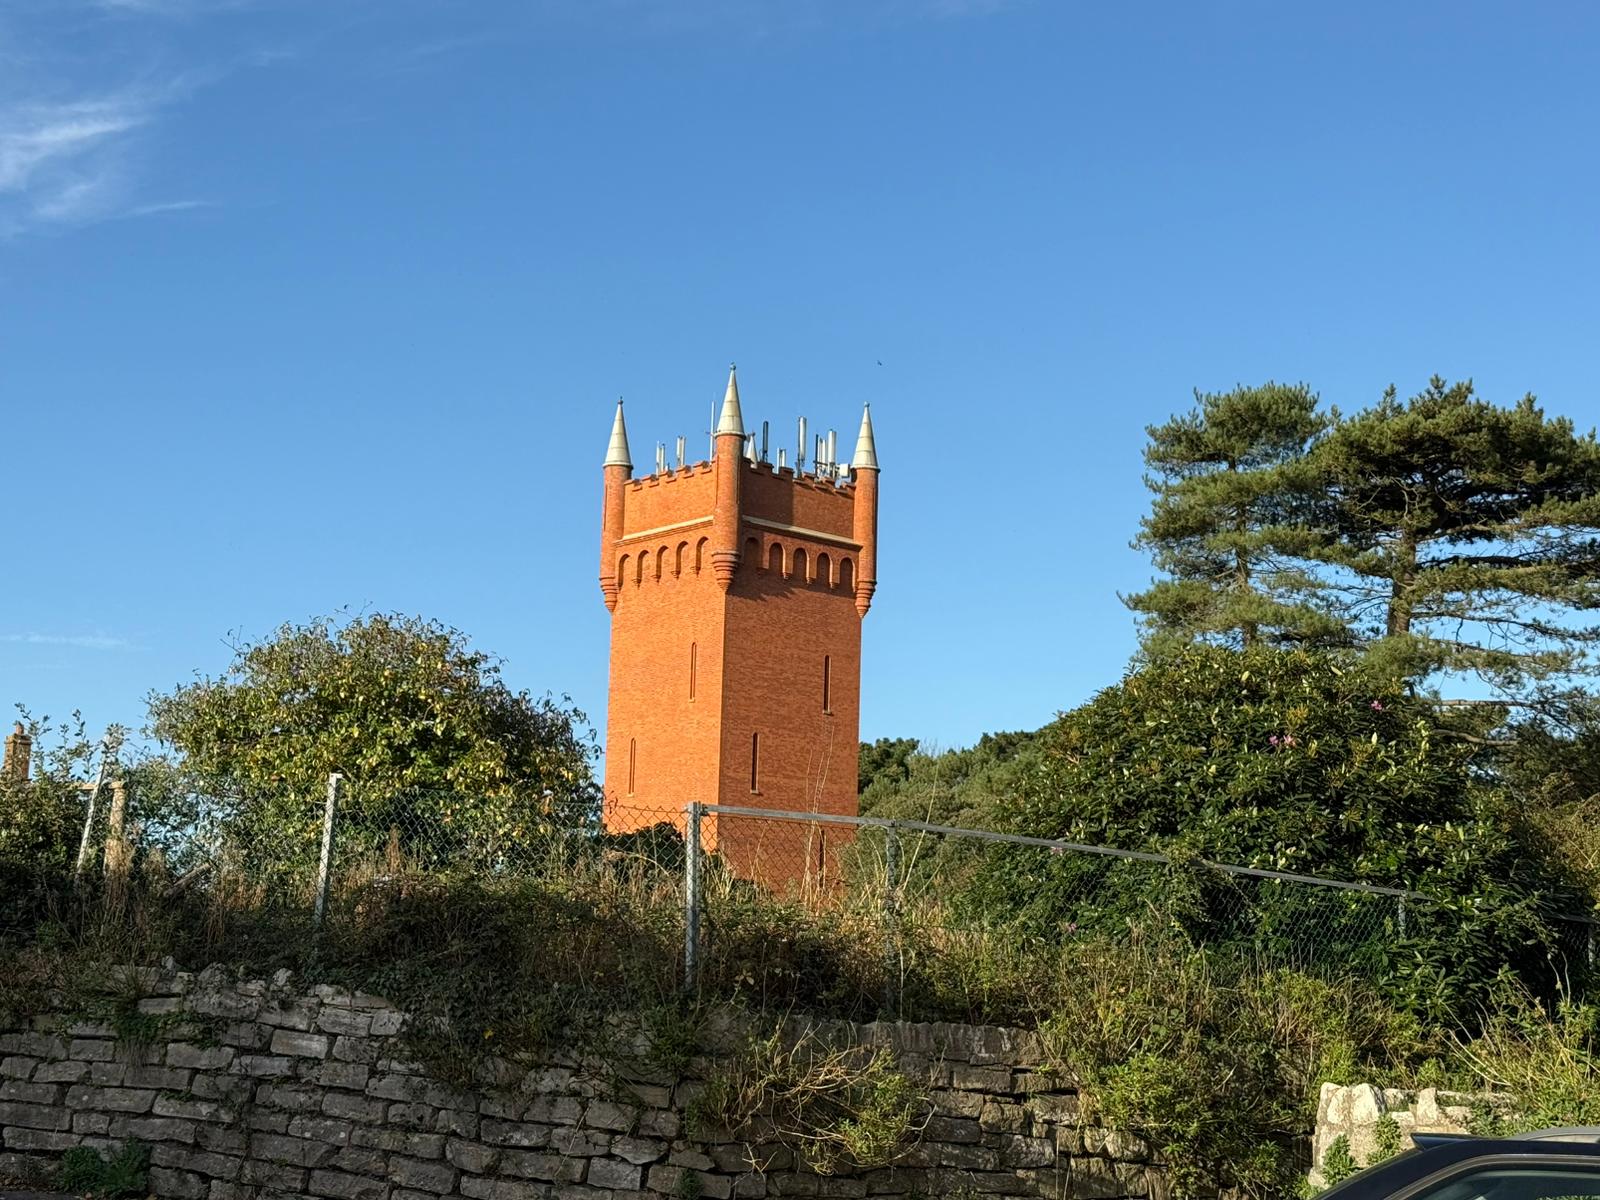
1443 535
1231 486
437 752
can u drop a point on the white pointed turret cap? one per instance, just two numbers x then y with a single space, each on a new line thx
617 452
731 420
866 454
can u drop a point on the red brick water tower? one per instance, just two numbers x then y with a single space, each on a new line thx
737 588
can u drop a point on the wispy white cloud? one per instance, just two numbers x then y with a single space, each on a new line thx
83 641
64 161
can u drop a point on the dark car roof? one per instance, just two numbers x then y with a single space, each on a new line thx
1437 1152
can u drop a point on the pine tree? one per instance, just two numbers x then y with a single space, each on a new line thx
1231 513
1463 537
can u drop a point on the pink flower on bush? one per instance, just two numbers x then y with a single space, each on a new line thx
1377 706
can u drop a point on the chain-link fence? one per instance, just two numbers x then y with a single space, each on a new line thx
901 909
924 893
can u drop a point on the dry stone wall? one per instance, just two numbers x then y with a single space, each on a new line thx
246 1089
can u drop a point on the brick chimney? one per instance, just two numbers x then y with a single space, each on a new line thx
19 756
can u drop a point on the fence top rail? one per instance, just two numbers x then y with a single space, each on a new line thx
989 835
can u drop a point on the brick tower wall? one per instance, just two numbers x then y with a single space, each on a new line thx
660 738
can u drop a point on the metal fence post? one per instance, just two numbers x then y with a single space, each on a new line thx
691 897
325 865
891 921
88 819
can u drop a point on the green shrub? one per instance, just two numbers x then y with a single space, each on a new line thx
1288 761
1217 1065
84 1172
1338 1164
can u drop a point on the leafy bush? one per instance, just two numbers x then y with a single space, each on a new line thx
1289 761
1215 1065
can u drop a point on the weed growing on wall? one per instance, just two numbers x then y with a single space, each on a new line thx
85 1172
836 1107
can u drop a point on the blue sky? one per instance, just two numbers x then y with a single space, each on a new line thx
314 304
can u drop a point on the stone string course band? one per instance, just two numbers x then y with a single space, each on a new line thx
254 1090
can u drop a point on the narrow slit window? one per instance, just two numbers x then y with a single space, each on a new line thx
755 762
827 685
633 762
694 652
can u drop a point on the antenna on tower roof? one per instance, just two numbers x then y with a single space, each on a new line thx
680 452
661 458
800 451
764 441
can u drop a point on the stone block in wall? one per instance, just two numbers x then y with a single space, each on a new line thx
999 1116
161 1129
1017 1152
180 1184
107 1074
61 1072
530 1164
191 1109
353 1107
515 1133
399 1141
244 1035
340 1186
946 1103
348 1075
92 1050
22 1137
91 1122
18 1066
359 1160
331 1130
502 1189
461 1124
297 1152
967 1158
351 1022
423 1175
165 1079
952 1129
354 1049
31 1093
639 1150
34 1116
289 1097
201 1162
294 1015
471 1156
264 1066
298 1044
604 1114
970 1078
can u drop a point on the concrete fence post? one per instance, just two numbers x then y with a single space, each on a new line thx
88 817
325 864
691 897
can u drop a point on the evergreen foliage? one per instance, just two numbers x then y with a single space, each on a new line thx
1441 536
1465 536
1231 488
1287 761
